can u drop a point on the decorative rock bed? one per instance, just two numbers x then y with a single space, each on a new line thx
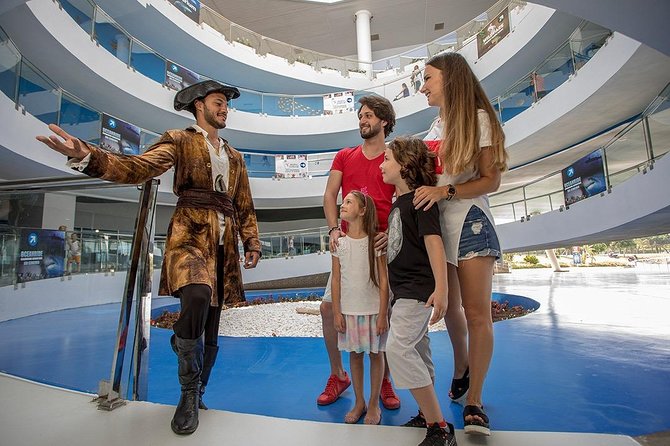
297 318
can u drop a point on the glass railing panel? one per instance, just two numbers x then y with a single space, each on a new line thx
111 37
260 166
79 120
216 21
540 205
81 11
553 72
516 100
627 151
147 138
278 105
10 59
586 41
659 129
319 164
623 175
506 197
520 209
147 62
38 95
503 214
544 186
78 269
308 105
245 37
249 101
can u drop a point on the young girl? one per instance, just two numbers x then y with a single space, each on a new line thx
418 278
360 302
472 151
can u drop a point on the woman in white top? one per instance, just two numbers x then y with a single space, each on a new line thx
473 156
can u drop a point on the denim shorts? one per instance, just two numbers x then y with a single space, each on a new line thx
478 237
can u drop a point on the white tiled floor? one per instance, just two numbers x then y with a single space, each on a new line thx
33 414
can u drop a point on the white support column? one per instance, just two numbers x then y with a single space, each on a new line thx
59 210
554 261
363 42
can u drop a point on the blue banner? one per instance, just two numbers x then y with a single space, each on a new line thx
41 255
584 178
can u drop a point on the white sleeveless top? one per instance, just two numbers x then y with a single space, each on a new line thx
453 212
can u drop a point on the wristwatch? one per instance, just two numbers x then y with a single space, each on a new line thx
451 191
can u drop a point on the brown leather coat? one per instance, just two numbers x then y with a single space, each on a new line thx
193 234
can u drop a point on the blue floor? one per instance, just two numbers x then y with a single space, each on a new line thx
568 367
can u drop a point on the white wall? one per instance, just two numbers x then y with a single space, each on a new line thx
81 290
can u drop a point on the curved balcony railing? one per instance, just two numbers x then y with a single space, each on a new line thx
631 151
32 90
263 45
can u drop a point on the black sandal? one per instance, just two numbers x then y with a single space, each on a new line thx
475 426
459 387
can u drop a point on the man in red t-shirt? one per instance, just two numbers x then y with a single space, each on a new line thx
357 169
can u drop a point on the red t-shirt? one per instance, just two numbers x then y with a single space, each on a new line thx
360 173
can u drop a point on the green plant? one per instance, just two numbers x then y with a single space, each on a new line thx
533 260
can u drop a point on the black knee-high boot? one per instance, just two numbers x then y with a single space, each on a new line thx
209 359
189 356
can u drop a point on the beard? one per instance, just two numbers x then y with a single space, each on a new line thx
372 132
212 120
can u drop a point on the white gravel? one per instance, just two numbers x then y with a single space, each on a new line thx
280 319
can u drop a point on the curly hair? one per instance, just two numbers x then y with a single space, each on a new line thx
382 109
416 161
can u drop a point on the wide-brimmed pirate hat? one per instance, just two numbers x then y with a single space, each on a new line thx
184 99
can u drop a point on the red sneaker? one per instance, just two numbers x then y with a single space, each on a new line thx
389 399
334 388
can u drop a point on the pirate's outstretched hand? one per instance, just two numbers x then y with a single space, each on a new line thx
64 143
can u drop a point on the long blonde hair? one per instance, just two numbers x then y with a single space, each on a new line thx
463 96
370 227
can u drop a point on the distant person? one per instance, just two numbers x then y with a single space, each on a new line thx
473 159
417 269
404 92
537 81
291 246
74 258
360 302
415 79
357 169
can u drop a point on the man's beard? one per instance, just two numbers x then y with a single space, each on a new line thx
374 131
210 118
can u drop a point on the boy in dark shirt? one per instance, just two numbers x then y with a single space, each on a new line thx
418 279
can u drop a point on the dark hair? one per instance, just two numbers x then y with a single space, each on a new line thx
417 163
382 109
370 227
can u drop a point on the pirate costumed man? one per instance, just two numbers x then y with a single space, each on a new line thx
201 264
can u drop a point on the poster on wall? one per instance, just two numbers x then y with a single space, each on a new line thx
41 255
119 137
178 77
291 166
493 33
191 8
584 178
336 103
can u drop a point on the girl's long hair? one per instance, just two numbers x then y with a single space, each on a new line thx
370 227
463 96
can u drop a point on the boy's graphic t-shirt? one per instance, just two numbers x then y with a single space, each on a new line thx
410 274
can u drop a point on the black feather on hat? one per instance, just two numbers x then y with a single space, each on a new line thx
185 98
